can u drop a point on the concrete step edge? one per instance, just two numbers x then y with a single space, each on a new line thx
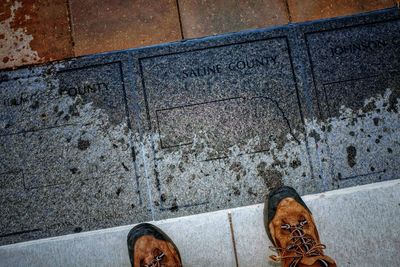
343 210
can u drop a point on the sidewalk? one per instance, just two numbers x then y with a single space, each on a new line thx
359 225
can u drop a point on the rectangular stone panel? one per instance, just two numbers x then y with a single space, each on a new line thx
220 118
67 163
356 53
357 79
231 93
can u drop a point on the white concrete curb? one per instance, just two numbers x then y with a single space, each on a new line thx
359 225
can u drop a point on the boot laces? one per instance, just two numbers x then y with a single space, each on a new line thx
156 262
299 246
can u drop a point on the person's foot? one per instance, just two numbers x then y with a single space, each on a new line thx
148 246
291 228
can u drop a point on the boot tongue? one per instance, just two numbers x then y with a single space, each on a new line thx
310 261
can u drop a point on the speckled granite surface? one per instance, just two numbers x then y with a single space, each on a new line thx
198 125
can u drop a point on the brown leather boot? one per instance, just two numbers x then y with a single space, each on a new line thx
291 228
148 246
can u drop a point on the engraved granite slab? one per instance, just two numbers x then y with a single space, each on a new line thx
230 93
66 156
356 70
224 123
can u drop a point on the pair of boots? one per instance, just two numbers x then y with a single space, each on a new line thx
288 222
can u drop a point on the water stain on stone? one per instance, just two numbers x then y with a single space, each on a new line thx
376 121
236 167
261 167
171 167
170 178
372 169
181 168
236 191
174 206
271 177
119 190
83 144
35 105
393 102
351 156
315 135
238 177
278 163
368 107
295 163
73 110
250 192
121 141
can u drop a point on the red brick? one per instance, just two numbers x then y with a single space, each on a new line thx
306 10
208 17
100 26
34 32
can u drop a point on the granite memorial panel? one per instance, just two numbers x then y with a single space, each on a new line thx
356 70
66 156
208 111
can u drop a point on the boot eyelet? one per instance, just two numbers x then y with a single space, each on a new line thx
303 222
